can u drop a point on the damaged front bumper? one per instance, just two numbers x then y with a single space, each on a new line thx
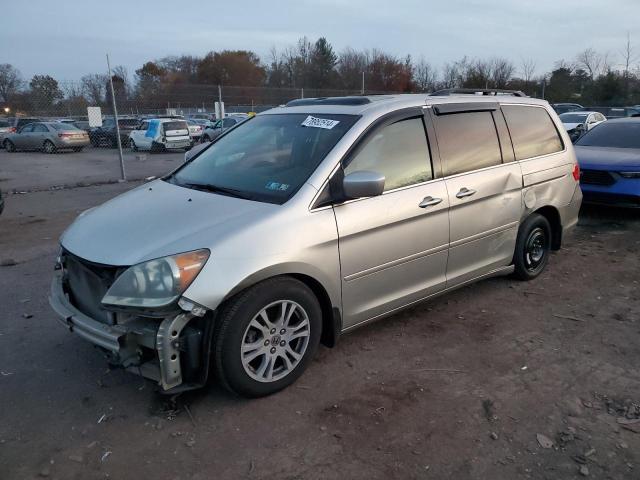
172 351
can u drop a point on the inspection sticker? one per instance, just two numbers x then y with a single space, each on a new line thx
282 187
320 122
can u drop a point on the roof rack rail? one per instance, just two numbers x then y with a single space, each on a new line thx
477 91
349 100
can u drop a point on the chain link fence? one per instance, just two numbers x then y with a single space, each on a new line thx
71 99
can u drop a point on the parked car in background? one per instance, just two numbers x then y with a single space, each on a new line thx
158 134
195 131
614 112
578 123
308 221
220 126
106 134
48 137
609 157
15 124
566 107
203 116
81 124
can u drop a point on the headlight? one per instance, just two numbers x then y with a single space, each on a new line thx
156 283
630 174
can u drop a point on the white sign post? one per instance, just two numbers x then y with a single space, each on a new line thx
95 116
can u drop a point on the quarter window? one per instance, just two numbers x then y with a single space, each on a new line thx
399 152
467 141
532 131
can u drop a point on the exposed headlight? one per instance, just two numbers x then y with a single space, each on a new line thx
156 283
630 174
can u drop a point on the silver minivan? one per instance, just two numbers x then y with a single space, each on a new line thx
310 220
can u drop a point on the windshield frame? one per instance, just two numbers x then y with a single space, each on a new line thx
355 118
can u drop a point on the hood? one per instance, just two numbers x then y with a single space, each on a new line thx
571 126
608 158
158 219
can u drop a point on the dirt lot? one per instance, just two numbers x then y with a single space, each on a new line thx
26 171
472 385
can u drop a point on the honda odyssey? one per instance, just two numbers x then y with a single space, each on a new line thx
310 220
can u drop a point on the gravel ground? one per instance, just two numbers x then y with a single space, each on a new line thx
500 380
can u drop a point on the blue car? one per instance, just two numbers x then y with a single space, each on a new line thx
609 158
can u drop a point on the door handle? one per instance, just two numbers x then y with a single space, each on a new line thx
465 192
429 201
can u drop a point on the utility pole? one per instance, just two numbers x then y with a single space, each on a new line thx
115 117
362 90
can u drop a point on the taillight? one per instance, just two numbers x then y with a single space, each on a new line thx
12 130
576 172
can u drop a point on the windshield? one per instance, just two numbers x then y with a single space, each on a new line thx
573 117
173 127
267 158
64 126
613 134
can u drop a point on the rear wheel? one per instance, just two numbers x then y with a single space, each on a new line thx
266 337
532 247
48 147
9 146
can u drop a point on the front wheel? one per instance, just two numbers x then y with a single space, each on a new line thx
532 247
266 336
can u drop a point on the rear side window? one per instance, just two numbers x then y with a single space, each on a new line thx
532 131
399 152
467 141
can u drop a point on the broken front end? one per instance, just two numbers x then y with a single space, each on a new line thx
137 315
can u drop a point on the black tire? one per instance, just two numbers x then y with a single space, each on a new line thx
532 247
233 324
77 149
133 145
9 146
48 147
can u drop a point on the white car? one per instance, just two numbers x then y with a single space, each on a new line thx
159 134
577 123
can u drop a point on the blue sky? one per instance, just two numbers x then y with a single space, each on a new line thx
69 38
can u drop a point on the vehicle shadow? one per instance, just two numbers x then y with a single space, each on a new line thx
607 216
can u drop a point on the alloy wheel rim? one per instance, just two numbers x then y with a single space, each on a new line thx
535 249
275 341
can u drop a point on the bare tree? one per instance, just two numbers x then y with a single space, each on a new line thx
94 88
591 61
425 76
501 72
527 69
10 81
628 57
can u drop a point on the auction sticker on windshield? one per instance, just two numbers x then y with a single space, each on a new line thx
319 122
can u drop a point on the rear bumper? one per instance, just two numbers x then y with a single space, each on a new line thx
171 353
72 142
569 213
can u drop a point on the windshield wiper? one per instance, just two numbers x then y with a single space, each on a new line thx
209 187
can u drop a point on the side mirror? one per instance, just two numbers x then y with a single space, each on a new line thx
363 183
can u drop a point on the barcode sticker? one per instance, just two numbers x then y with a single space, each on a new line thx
320 122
